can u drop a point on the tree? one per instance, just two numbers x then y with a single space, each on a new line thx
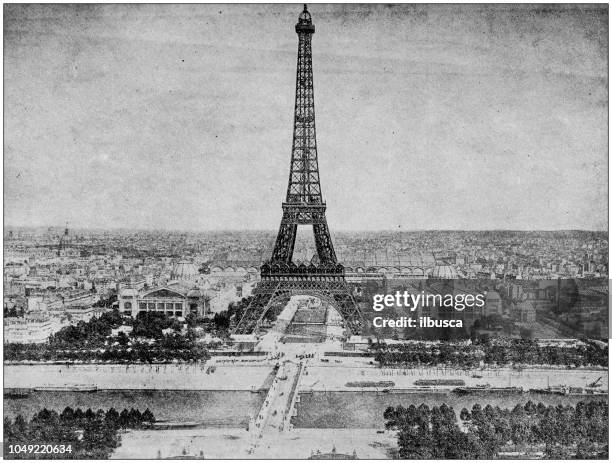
124 419
222 320
67 415
123 339
148 417
20 428
150 325
112 418
134 418
79 415
530 408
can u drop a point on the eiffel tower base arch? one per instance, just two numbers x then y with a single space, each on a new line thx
269 293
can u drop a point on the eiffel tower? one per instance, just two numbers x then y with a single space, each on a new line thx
281 278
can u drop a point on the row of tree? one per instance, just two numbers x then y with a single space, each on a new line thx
95 332
513 351
436 433
83 435
93 341
173 349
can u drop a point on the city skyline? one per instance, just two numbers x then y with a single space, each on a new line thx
274 231
138 117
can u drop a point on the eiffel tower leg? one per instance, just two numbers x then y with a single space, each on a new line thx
325 248
251 315
279 296
285 241
349 310
259 306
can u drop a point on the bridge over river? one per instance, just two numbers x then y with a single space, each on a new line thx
275 414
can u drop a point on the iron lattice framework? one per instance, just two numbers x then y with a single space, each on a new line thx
281 278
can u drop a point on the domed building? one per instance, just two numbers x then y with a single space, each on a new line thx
444 268
444 271
184 271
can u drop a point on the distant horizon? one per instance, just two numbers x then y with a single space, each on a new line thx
275 230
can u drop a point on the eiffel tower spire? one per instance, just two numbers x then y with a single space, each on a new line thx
304 186
304 204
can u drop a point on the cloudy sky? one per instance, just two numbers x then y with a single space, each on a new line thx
428 117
